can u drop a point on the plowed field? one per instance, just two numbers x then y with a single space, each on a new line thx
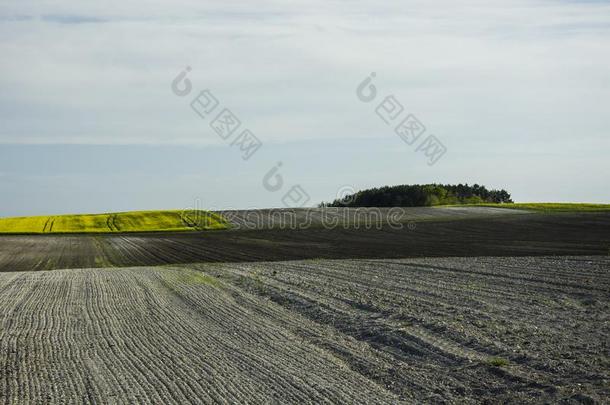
343 331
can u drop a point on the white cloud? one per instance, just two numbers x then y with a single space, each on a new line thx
90 72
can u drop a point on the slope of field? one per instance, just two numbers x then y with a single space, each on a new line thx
548 207
460 330
346 217
511 235
136 221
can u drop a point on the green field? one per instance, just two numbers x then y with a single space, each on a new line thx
135 221
548 207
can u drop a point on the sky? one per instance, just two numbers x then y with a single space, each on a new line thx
95 117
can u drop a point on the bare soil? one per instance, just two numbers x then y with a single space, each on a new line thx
434 330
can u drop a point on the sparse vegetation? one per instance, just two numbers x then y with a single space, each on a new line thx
191 277
497 362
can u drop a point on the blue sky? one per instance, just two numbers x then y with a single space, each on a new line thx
517 92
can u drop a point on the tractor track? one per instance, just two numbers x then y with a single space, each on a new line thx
111 223
48 225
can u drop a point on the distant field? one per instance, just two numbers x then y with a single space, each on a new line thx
582 207
357 217
300 218
136 221
190 220
531 234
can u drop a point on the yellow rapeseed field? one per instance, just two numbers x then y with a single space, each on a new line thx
135 221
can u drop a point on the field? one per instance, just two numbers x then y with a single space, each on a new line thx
494 235
380 331
345 217
135 221
550 207
458 305
199 220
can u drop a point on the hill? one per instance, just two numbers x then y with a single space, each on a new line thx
550 207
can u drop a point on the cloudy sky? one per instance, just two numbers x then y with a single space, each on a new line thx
518 92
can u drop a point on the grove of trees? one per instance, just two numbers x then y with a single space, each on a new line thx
419 195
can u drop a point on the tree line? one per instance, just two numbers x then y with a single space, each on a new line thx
421 195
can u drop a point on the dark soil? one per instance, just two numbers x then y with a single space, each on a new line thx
515 235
